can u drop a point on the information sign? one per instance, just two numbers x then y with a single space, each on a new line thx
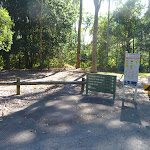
149 84
131 69
101 83
147 88
148 80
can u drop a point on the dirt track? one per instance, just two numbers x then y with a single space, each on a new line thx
65 102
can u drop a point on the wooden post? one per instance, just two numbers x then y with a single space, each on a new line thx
87 80
18 86
114 87
82 86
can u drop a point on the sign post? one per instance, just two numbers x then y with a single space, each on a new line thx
131 71
149 84
147 87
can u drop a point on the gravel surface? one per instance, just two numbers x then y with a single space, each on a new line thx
65 102
59 117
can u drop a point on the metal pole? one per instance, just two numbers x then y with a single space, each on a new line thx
135 94
123 91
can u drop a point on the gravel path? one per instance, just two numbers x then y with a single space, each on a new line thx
65 101
58 117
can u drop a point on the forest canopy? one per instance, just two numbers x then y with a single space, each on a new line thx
44 33
6 32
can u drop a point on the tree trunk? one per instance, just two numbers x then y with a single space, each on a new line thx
49 52
19 62
26 59
6 59
97 4
149 60
79 37
107 46
40 52
124 50
133 44
31 60
149 50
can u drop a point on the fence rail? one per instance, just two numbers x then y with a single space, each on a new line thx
18 83
94 82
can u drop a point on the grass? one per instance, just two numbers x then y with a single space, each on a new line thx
144 75
141 75
112 73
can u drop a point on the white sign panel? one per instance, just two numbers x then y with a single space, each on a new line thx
148 80
131 69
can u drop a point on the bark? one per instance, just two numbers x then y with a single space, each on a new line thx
133 44
26 59
49 52
6 58
79 37
19 62
31 61
149 60
40 52
149 50
107 46
97 4
124 50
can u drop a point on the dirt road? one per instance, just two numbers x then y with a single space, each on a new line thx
65 101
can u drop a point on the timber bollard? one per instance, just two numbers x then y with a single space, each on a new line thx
18 86
82 86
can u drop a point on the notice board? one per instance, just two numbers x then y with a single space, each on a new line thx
131 69
101 83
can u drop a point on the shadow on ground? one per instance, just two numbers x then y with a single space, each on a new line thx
26 74
130 114
98 100
65 120
57 122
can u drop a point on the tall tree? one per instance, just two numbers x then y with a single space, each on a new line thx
54 29
40 52
146 35
107 46
25 14
97 4
6 33
149 12
79 37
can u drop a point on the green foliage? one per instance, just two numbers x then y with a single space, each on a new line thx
58 19
129 30
125 19
5 30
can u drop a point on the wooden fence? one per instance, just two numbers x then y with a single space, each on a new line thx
94 82
18 83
